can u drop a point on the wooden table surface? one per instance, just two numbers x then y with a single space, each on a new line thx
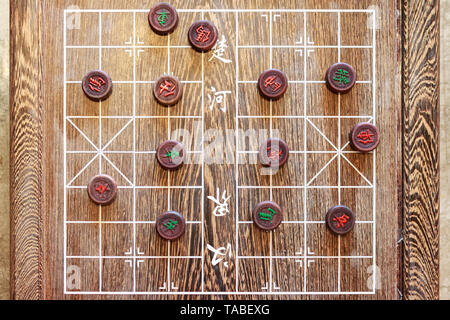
64 246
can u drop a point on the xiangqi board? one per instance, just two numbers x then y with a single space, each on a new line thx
248 231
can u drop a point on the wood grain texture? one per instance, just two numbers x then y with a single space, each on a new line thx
421 149
100 232
26 150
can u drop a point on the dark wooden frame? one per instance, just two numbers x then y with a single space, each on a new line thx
418 171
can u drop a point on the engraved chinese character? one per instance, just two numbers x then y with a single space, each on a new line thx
341 221
218 97
267 216
171 224
270 82
220 254
162 16
168 88
274 155
342 76
221 208
219 50
172 154
202 34
365 137
95 83
102 188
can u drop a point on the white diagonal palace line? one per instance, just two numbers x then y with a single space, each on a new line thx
322 134
356 169
84 168
82 133
118 134
321 170
117 169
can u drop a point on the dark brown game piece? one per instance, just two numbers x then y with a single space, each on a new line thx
364 137
102 189
168 90
274 153
267 215
170 155
203 35
170 225
272 84
340 77
163 18
97 85
340 220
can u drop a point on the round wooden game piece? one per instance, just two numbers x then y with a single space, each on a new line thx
102 189
170 155
364 137
97 85
170 225
267 215
272 84
168 90
274 153
340 220
163 18
340 77
203 35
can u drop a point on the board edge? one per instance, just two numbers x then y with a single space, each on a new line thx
420 149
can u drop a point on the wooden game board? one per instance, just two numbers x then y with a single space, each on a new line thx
60 139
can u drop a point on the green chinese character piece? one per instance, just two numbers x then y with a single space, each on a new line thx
267 216
342 76
162 16
171 224
172 154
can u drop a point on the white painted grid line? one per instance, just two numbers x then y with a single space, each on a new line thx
339 155
203 171
134 148
305 146
65 151
374 178
236 165
100 262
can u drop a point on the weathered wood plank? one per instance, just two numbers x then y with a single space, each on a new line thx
26 150
421 149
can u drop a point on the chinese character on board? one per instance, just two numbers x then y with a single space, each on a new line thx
219 50
221 208
220 254
218 97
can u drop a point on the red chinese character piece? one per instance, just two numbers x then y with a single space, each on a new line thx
202 34
270 82
274 155
341 221
167 88
95 83
102 188
365 137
